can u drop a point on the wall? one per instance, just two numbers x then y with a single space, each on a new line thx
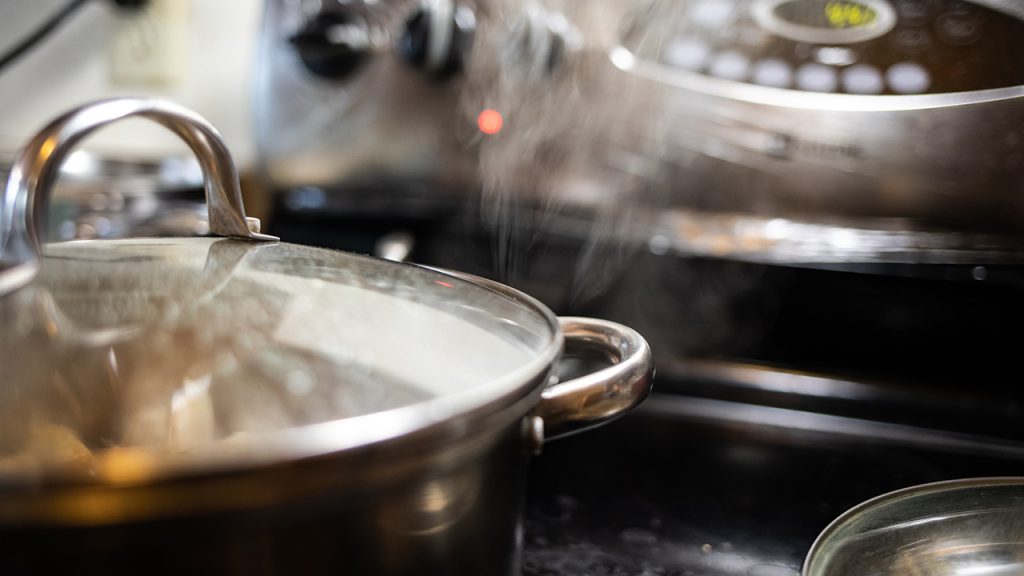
72 66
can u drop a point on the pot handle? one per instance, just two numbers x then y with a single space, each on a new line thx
581 403
24 200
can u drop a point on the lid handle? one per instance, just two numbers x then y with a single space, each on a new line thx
25 199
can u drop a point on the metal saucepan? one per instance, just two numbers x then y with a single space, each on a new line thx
957 528
237 405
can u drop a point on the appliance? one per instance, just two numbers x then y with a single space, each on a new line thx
809 207
768 130
736 207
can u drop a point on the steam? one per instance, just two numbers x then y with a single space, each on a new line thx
560 164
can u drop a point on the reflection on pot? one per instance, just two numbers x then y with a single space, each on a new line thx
435 505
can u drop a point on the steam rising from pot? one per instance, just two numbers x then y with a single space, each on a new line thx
554 167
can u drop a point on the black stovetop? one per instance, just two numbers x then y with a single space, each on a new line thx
689 486
713 476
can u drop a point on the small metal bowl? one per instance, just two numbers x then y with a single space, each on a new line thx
972 527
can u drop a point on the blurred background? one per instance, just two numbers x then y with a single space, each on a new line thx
811 208
199 54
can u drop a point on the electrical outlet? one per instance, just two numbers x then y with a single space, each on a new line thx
150 46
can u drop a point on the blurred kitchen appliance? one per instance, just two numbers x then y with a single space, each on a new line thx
339 111
841 130
826 187
103 197
829 190
793 131
830 278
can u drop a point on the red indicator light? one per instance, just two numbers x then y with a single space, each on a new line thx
441 283
490 121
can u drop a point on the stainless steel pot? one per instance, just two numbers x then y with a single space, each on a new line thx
243 406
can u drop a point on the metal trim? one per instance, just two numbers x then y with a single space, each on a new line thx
623 59
763 12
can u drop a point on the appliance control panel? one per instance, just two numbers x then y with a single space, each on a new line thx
867 47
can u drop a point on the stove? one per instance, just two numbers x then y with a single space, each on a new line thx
691 486
784 396
829 274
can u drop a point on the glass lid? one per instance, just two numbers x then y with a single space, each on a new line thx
175 344
182 351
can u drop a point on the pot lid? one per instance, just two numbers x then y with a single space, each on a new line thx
167 353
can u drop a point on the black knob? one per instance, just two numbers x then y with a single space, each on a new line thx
131 4
438 37
332 44
538 43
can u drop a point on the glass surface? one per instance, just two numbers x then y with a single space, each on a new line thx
171 345
956 529
828 15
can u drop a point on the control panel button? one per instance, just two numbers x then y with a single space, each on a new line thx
332 44
713 14
912 41
908 78
862 79
817 78
960 8
730 65
773 72
687 54
913 12
438 37
835 56
958 29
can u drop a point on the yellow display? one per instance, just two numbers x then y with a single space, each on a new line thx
848 14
